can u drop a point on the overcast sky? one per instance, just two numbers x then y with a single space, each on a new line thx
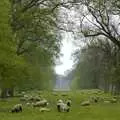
67 50
67 16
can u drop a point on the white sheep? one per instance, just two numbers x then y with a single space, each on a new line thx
85 103
62 107
44 110
17 108
69 102
42 103
28 103
60 101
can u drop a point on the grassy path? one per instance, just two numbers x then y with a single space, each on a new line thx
99 111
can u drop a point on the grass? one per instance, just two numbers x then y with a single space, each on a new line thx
99 111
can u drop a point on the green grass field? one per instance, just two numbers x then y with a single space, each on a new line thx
96 111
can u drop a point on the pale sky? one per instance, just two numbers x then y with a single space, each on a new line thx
67 50
67 16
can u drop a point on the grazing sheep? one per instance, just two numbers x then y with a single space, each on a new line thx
68 102
31 99
37 98
23 93
94 99
42 103
44 110
106 101
26 96
85 103
59 105
62 107
34 99
60 101
17 108
28 104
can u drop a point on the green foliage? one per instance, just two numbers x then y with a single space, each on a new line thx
29 44
98 66
35 27
11 66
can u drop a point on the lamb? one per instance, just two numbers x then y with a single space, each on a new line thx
17 108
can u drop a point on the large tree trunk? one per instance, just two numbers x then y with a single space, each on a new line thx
7 92
11 92
117 91
4 93
106 86
112 89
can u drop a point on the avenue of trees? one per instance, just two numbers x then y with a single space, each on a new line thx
29 44
98 60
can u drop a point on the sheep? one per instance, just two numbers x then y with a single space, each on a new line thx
42 103
23 93
17 108
94 99
37 98
31 99
68 102
34 99
28 104
26 96
85 103
44 110
62 107
59 105
60 101
106 101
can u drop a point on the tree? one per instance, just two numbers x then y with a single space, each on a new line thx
12 66
34 24
25 47
101 18
98 65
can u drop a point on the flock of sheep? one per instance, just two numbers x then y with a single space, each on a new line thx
41 103
96 99
61 106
